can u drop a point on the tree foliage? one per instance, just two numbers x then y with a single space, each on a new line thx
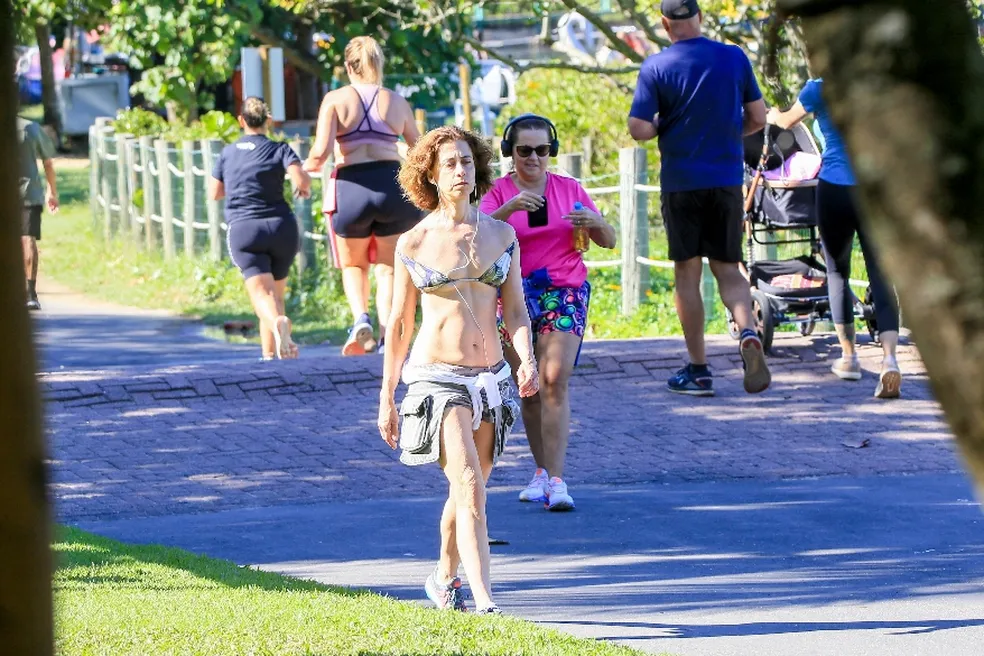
181 47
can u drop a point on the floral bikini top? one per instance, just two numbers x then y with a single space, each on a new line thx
427 279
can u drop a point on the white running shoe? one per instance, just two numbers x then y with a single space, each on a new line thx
557 496
536 489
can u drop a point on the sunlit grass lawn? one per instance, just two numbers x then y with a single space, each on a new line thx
120 600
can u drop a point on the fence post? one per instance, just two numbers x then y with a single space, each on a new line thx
571 163
93 171
420 116
104 183
122 167
129 146
587 147
305 222
766 251
149 191
167 205
634 219
708 292
188 192
210 150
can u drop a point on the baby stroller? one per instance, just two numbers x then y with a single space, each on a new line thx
781 168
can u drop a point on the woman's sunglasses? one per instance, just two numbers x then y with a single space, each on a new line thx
526 151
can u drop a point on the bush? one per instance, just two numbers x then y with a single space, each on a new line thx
139 122
142 123
580 105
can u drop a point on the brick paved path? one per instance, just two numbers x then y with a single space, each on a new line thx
166 440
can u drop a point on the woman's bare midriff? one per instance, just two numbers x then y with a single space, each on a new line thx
362 153
449 334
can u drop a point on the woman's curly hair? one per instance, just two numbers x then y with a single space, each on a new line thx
416 170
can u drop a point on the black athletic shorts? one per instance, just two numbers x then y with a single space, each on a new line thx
264 245
369 201
703 223
31 221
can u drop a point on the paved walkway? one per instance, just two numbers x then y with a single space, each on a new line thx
194 438
731 525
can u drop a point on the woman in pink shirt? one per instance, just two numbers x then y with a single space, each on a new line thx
540 206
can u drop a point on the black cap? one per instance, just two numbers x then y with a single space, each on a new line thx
679 9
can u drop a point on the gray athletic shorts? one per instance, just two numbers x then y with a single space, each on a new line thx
424 406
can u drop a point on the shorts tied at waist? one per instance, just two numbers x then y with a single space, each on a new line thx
431 388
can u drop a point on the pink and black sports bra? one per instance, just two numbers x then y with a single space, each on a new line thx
372 128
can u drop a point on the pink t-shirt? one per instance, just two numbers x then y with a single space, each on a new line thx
551 246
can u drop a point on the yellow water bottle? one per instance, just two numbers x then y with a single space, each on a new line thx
582 240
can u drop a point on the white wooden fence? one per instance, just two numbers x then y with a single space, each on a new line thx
154 193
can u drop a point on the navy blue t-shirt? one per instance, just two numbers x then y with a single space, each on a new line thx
697 88
253 171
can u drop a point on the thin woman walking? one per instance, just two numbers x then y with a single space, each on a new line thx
839 222
458 409
362 123
263 236
546 210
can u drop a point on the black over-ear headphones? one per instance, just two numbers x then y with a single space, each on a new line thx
506 144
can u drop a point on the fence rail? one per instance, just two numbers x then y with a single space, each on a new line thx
153 192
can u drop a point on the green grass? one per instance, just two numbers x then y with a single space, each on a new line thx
118 599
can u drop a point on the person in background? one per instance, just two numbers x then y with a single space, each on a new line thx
700 98
33 145
263 236
545 210
362 123
839 222
458 409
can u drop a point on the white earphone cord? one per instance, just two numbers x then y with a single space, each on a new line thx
470 261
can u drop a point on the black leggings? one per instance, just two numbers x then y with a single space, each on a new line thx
837 218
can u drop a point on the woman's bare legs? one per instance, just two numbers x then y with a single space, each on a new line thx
466 458
532 411
385 252
353 255
555 354
267 296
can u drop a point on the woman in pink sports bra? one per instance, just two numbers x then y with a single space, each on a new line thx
361 124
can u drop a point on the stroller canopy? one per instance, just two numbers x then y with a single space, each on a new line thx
782 144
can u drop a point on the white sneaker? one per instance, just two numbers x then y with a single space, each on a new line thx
557 496
536 489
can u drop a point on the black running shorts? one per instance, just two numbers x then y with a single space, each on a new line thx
264 245
703 223
31 221
369 201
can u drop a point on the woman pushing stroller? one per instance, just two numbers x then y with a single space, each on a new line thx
839 221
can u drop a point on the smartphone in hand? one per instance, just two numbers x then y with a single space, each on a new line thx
538 218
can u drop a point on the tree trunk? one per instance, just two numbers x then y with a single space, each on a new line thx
25 557
49 96
904 81
307 84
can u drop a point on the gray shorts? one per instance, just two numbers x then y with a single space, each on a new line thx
425 404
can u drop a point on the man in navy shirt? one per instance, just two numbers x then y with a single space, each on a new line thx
262 236
700 97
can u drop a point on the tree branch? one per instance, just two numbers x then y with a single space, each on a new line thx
517 66
602 27
629 7
302 60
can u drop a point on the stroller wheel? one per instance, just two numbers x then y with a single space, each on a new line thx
732 326
806 329
764 320
870 322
